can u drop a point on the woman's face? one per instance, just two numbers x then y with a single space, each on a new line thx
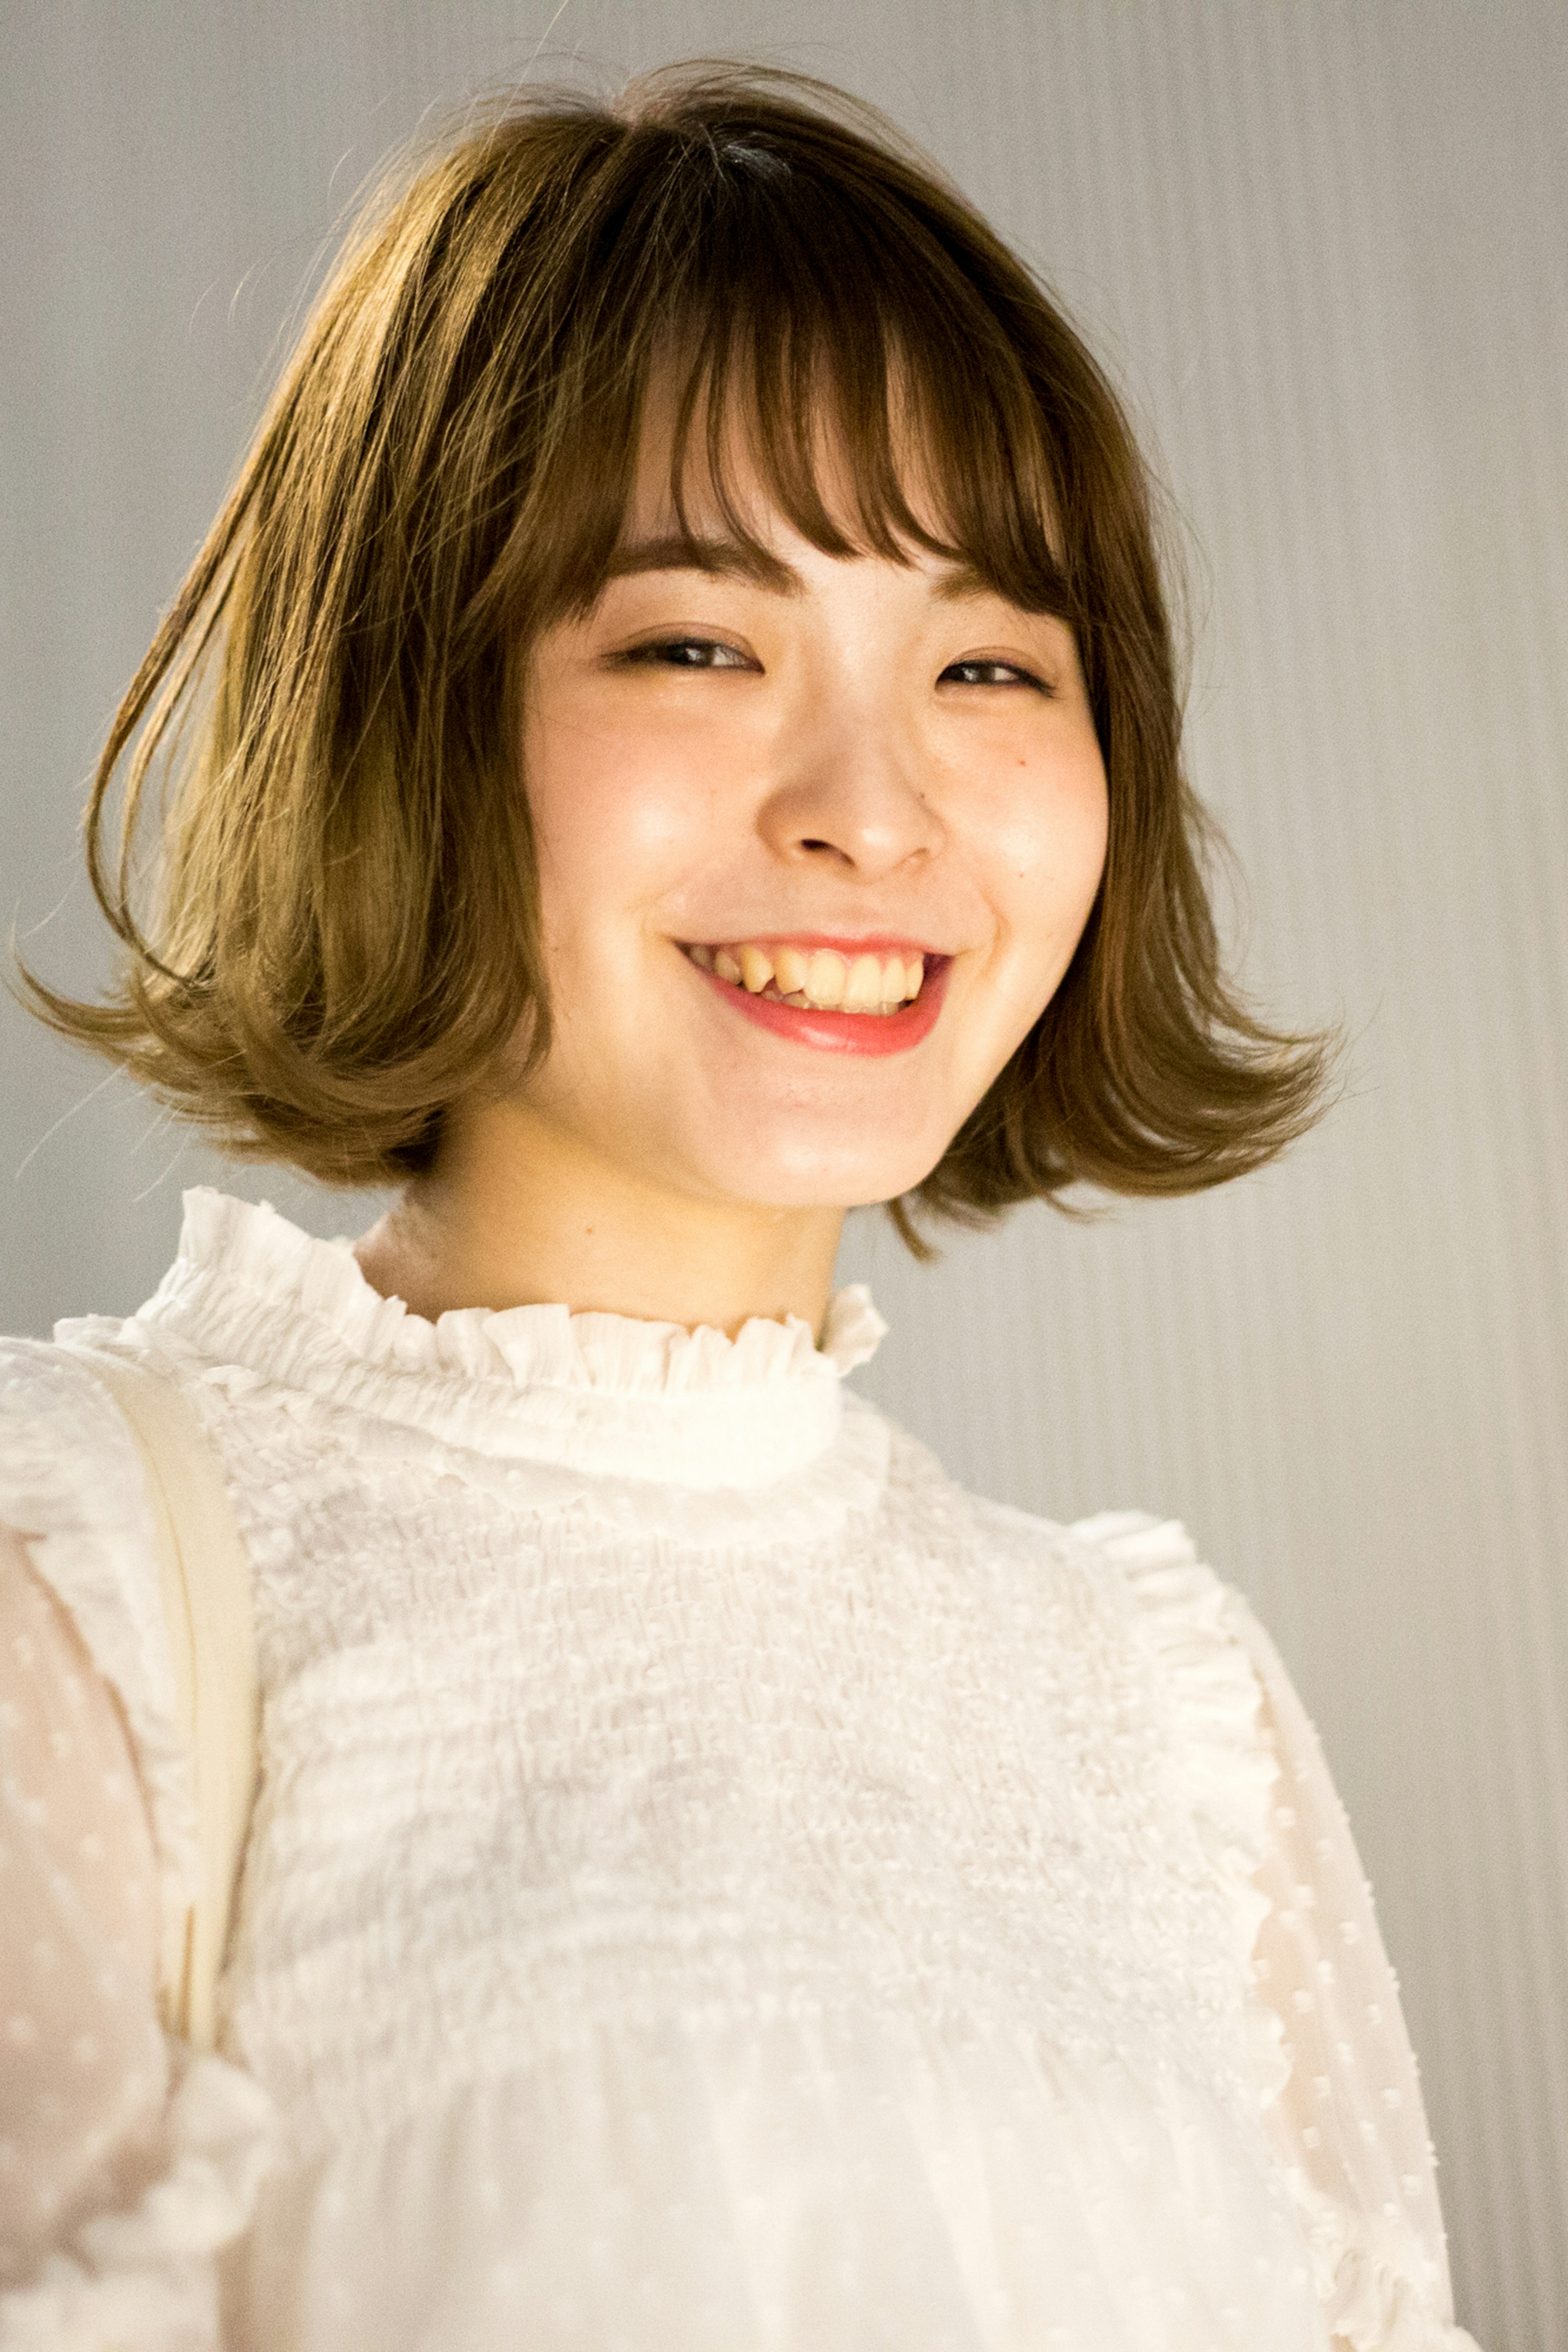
850 783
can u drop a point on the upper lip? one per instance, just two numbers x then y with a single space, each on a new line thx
883 944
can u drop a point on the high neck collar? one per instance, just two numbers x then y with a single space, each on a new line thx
599 1394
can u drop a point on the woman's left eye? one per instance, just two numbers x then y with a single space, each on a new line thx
991 673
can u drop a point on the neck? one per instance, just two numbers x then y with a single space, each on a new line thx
515 1213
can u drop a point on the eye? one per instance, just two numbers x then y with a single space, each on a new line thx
687 652
991 673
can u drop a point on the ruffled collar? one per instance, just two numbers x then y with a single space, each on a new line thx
604 1394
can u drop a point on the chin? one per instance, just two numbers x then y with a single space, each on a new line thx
801 1174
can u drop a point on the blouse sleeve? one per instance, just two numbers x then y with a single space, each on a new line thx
1329 2060
126 2161
1349 2122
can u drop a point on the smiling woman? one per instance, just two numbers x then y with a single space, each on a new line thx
674 735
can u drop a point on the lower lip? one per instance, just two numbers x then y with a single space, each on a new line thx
843 1033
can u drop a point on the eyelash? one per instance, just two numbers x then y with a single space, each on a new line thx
1016 675
661 646
658 653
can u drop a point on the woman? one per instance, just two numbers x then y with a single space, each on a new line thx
674 735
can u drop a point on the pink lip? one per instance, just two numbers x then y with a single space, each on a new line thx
884 944
844 1033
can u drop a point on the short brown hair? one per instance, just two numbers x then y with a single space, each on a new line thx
346 935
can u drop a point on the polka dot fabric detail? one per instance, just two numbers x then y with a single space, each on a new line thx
125 2165
84 2075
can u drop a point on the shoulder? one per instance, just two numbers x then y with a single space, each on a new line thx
1187 1646
66 1457
1180 1632
1147 1570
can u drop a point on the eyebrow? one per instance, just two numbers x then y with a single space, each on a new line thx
730 559
735 559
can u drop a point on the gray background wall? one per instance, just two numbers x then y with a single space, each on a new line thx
1324 248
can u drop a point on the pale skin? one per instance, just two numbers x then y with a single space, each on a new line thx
846 749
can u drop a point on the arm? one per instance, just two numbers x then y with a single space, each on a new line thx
1349 2123
126 2162
84 2071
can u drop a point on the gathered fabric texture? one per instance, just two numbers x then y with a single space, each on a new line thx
714 1883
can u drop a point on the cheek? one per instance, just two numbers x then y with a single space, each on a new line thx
616 827
1049 855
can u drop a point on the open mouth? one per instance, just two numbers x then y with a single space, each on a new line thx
818 979
871 997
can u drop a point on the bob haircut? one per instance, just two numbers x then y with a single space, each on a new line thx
344 936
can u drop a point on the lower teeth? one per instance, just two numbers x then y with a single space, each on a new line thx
803 1004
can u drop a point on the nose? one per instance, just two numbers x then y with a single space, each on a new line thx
852 797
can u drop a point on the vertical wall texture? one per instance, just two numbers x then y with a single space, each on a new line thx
1325 249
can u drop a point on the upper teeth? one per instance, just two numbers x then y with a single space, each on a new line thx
864 983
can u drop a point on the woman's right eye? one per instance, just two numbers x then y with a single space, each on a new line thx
691 652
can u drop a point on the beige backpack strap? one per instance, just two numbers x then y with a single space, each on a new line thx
205 1578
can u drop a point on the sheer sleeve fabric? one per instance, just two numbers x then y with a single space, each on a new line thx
1349 2123
125 2161
83 2068
1331 2063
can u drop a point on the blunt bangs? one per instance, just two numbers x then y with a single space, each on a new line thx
342 939
789 306
854 351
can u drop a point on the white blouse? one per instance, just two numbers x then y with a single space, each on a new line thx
715 1885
